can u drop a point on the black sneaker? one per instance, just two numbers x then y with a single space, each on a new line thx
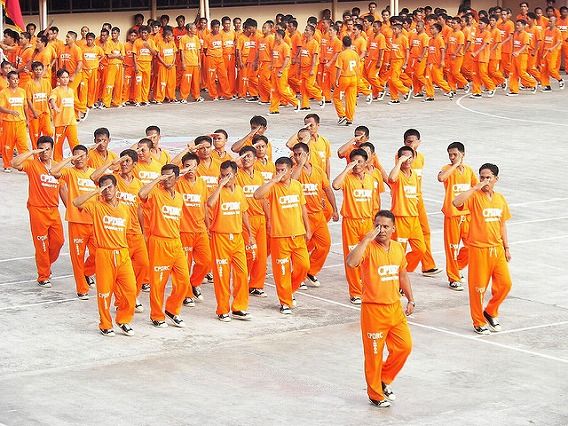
138 308
257 292
561 84
107 332
90 281
209 278
159 324
313 280
481 330
355 300
342 121
252 99
285 309
305 109
83 296
493 322
388 392
273 112
176 320
146 288
381 404
475 96
391 102
224 318
188 301
44 284
241 315
303 286
431 272
547 89
428 100
456 285
197 293
126 329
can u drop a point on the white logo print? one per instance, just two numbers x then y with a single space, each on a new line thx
374 337
231 208
388 272
114 223
289 201
192 200
282 262
310 189
362 195
492 215
171 212
410 192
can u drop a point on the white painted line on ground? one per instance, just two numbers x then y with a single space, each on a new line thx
551 200
50 302
502 117
432 200
26 258
32 281
534 327
520 222
536 240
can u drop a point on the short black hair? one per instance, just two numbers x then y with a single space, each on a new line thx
385 213
102 131
358 152
301 145
457 145
224 132
172 167
131 153
314 116
368 145
411 132
229 164
150 128
489 166
80 148
246 149
258 120
203 138
45 139
364 129
404 148
257 138
346 41
104 178
189 156
146 142
284 160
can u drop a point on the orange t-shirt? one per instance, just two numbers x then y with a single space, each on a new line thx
399 47
15 100
92 57
69 58
143 54
38 92
227 215
114 48
279 54
164 212
194 201
190 47
562 25
313 185
266 168
377 44
78 183
404 195
265 46
252 42
45 57
333 48
536 34
507 29
147 172
128 54
210 174
43 189
347 62
551 37
435 47
417 44
482 38
214 45
64 98
455 39
519 40
24 58
495 53
163 158
358 197
178 34
167 51
226 156
360 45
109 223
296 41
128 194
229 44
487 215
286 203
250 184
96 159
454 185
320 151
307 52
380 270
379 186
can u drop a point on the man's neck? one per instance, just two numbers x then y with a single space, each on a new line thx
127 176
385 244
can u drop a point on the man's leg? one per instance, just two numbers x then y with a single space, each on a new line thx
320 244
373 332
78 237
240 274
399 344
180 278
106 275
281 249
427 260
479 273
161 260
500 283
124 289
300 259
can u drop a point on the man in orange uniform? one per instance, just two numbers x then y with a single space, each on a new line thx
90 81
399 81
507 28
13 119
309 53
521 46
488 248
103 43
562 24
178 33
346 84
481 53
115 276
165 249
144 50
70 58
78 181
190 51
131 85
457 177
295 44
330 56
24 59
45 54
359 43
251 67
166 57
456 44
418 57
265 46
315 184
62 102
115 53
208 168
290 228
374 60
551 55
99 154
404 185
281 93
262 164
37 93
536 34
229 38
250 180
382 319
193 227
229 207
216 68
436 65
357 211
43 202
494 70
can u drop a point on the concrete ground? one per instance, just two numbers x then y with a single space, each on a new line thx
307 368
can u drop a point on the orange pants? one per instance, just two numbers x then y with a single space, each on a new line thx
409 231
167 257
456 229
13 134
115 276
198 249
309 89
230 262
103 71
144 73
81 238
40 126
294 77
166 83
63 133
519 71
217 73
231 67
481 76
549 68
252 79
435 76
346 92
129 86
399 81
427 260
242 80
352 232
75 85
140 261
380 325
455 77
257 257
281 91
290 264
320 243
467 66
47 236
112 94
532 67
419 75
328 80
264 81
495 72
385 71
485 264
371 73
506 63
189 83
327 209
88 89
564 55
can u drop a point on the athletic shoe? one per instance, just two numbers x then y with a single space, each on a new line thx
406 97
84 115
297 107
381 404
305 109
294 303
107 332
303 286
199 100
475 96
467 88
176 320
322 103
273 112
126 329
263 103
159 324
197 293
7 170
183 101
146 288
505 85
456 285
431 272
493 322
418 95
252 99
462 279
209 278
342 121
491 93
83 296
391 102
561 84
355 300
224 318
348 123
449 95
241 315
388 392
90 281
257 292
189 302
138 308
285 310
369 99
313 280
546 89
481 330
533 90
381 95
428 100
44 284
512 94
136 104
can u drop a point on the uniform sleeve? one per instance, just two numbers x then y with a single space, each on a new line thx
244 202
53 94
90 207
27 166
403 263
65 173
506 213
301 192
324 181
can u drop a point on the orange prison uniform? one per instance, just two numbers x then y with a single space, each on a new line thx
202 34
360 46
266 168
385 71
562 25
228 246
221 157
229 58
379 186
308 72
13 127
520 64
507 29
399 82
103 68
114 78
216 69
372 67
143 60
91 79
64 120
243 47
69 58
404 206
357 212
190 47
280 91
455 77
166 82
434 69
290 258
481 63
265 47
494 70
80 226
418 60
329 69
37 93
296 41
551 57
383 320
113 265
96 159
24 58
193 232
46 57
256 256
314 183
147 172
456 222
178 33
320 152
469 39
536 35
210 174
166 253
251 73
346 91
131 83
486 254
163 157
45 222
